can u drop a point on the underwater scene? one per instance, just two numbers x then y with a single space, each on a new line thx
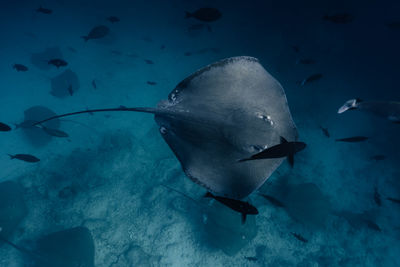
199 133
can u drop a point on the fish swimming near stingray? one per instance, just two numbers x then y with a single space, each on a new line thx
113 19
207 14
299 237
4 127
44 10
151 83
148 61
244 208
283 150
325 131
97 32
339 18
58 62
312 78
20 67
214 117
25 157
353 139
389 110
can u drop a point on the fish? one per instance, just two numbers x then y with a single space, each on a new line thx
44 10
312 78
20 67
273 200
97 32
244 208
306 61
325 131
377 197
207 14
113 19
25 157
339 18
394 200
53 132
353 139
148 61
94 85
4 127
254 259
151 83
208 131
70 91
57 62
299 237
284 149
378 157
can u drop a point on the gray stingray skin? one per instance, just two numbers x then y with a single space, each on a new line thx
224 112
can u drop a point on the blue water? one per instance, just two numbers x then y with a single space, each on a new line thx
116 161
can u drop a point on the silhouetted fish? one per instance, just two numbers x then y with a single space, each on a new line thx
237 205
44 10
113 19
94 84
58 62
377 197
4 127
378 157
353 139
148 61
394 200
273 200
325 131
300 237
205 14
20 67
97 33
340 18
151 83
312 78
25 157
284 149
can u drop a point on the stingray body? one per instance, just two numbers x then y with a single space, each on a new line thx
222 113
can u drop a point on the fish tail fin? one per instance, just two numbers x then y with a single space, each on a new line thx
11 156
244 218
208 194
86 38
188 15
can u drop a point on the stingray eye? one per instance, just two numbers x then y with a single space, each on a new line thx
163 130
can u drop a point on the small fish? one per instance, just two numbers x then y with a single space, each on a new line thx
273 200
53 132
148 61
353 139
70 91
377 197
206 14
378 157
284 149
94 84
20 67
151 83
254 259
44 10
325 131
312 78
58 62
25 157
299 237
242 207
113 19
97 32
340 18
306 61
394 200
4 127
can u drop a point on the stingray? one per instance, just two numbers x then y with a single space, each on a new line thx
224 112
35 135
64 84
40 60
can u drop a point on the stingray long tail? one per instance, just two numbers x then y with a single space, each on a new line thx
138 109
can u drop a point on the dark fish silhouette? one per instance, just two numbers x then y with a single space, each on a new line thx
306 61
242 207
251 258
113 19
284 149
312 78
377 197
44 10
299 237
94 84
273 200
394 200
207 14
58 62
151 83
4 127
378 157
353 139
148 61
325 131
340 18
20 67
25 157
53 132
97 33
